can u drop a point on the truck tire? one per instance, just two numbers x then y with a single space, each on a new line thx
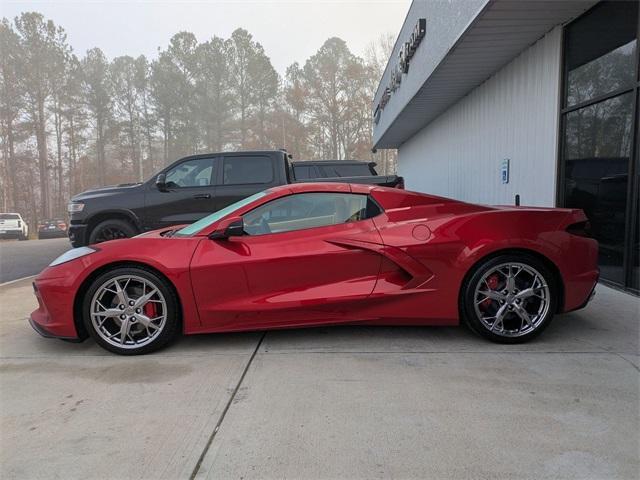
111 229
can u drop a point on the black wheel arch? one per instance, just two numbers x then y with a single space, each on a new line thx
86 283
119 214
520 251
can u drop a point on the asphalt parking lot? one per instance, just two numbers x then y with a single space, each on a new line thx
344 402
23 259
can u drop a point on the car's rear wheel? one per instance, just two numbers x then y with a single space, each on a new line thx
510 298
131 311
112 229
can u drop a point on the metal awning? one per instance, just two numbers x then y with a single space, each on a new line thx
501 30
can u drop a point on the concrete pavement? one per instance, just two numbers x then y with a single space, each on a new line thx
346 402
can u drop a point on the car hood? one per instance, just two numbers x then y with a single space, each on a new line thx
107 191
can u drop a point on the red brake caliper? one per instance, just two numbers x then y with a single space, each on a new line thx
150 310
492 282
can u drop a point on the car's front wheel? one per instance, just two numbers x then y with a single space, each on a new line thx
131 311
509 298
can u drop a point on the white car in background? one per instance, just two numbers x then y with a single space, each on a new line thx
13 226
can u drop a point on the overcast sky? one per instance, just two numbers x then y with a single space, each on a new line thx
288 30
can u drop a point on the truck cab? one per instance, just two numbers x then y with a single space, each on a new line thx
187 190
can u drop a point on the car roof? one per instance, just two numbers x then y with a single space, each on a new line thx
325 187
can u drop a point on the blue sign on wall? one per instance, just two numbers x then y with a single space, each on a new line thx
504 170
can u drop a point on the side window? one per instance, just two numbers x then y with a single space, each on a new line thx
306 210
192 173
247 170
348 170
305 172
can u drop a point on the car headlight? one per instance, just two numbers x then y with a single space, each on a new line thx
72 255
75 207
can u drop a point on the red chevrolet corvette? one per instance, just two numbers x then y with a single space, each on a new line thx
315 254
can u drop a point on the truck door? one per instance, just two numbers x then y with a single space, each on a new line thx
242 175
189 196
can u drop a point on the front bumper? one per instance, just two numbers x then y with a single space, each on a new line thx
78 235
47 334
54 316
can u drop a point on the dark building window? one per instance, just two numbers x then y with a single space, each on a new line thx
599 154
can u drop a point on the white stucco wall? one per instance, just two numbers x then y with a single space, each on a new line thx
514 114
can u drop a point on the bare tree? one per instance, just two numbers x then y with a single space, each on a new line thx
98 96
332 77
241 53
147 117
75 119
174 93
376 57
215 103
295 102
123 71
11 103
42 45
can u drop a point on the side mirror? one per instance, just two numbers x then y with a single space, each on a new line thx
161 182
229 227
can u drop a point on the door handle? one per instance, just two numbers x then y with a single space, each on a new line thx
202 195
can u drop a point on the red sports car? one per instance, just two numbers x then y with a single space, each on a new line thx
316 254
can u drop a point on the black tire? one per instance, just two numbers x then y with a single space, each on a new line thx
172 322
468 298
112 229
22 237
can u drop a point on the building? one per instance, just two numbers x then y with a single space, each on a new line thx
489 99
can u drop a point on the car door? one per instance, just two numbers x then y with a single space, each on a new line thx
242 175
301 262
189 196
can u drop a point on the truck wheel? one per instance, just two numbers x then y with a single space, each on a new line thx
23 237
111 230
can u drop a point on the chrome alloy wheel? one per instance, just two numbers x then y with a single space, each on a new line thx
512 299
128 311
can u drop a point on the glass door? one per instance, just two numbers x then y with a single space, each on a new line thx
598 171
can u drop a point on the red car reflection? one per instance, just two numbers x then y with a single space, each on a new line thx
316 254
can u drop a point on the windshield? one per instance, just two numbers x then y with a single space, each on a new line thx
214 217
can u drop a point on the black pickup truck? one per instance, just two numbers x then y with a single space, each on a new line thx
192 188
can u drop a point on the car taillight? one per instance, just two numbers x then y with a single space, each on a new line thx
62 225
582 229
400 183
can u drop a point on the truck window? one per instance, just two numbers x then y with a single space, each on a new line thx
304 172
192 173
348 170
247 170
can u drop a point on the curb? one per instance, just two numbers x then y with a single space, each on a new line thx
17 280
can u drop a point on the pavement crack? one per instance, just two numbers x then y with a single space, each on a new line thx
226 409
628 361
